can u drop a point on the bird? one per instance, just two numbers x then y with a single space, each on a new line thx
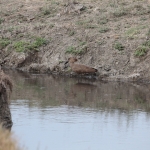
79 68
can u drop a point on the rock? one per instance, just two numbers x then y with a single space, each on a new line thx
41 68
79 7
17 59
134 76
107 68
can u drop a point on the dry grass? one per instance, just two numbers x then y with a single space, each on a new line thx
6 140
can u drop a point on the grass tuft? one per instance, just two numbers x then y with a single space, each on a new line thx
119 46
132 32
4 42
22 46
1 20
71 33
104 29
73 50
141 51
147 43
119 12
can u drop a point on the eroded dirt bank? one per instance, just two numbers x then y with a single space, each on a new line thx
112 36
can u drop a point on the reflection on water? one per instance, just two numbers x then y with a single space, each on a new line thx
51 112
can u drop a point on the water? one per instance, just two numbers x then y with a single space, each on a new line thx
56 113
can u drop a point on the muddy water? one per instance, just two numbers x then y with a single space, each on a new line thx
56 113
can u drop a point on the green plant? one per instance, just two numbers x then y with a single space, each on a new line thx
91 26
71 33
81 22
54 2
102 21
130 33
49 10
4 42
112 4
86 24
20 46
51 25
140 10
73 50
119 46
139 100
148 33
101 42
46 12
1 20
147 43
141 51
37 43
143 18
104 29
119 12
82 43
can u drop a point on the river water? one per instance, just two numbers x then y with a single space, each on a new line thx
59 113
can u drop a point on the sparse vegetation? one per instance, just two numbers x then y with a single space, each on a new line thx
119 46
104 29
103 20
119 12
75 30
73 50
1 20
141 51
4 42
40 41
46 12
147 44
101 42
10 29
71 33
140 100
91 26
132 32
22 46
86 24
82 43
51 25
49 10
148 33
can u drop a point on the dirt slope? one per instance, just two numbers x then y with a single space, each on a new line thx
112 36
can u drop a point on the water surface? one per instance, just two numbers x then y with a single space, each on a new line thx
51 112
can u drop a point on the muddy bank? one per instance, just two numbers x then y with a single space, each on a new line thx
39 36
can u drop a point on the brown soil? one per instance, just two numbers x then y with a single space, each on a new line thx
112 36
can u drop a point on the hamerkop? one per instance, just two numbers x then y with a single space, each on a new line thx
79 68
